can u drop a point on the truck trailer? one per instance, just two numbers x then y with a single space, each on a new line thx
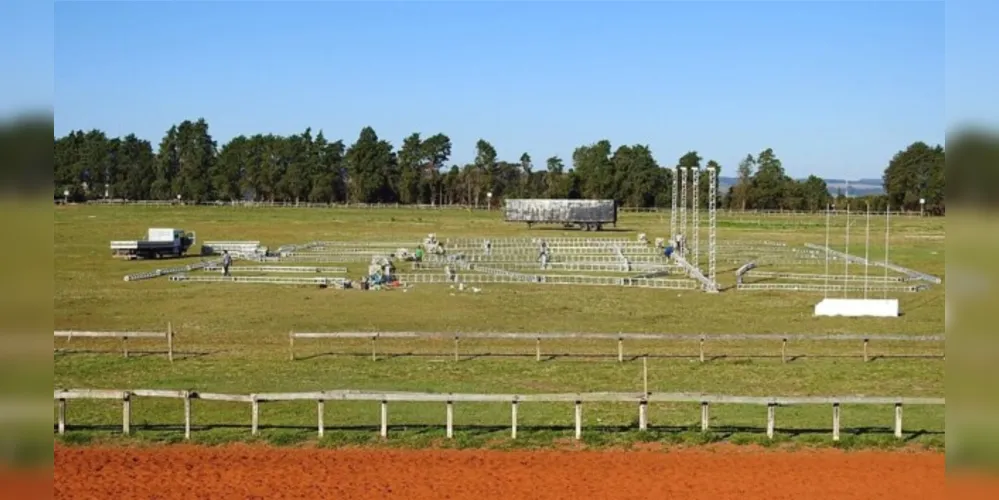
159 243
588 215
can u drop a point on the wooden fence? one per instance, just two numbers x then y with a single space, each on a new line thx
167 336
641 400
620 337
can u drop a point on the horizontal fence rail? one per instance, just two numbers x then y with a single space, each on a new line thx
167 336
620 337
459 206
642 400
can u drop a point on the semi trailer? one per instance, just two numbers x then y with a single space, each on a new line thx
159 243
588 215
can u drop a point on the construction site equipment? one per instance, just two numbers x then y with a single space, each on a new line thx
159 243
589 215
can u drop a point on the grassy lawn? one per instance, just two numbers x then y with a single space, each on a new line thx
234 337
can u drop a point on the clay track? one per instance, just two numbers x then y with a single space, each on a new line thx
242 471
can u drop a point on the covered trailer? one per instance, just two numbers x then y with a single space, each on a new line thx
589 215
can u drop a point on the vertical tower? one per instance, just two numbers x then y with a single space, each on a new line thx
712 222
672 212
695 206
683 210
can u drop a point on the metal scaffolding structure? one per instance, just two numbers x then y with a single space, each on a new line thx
552 279
695 206
673 195
823 277
683 211
273 280
519 260
821 287
278 269
712 224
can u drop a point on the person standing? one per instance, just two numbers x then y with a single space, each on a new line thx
226 262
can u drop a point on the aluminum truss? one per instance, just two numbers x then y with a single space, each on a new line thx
683 211
279 269
569 259
675 284
297 257
853 258
672 213
712 225
476 243
706 284
819 287
695 206
824 277
273 280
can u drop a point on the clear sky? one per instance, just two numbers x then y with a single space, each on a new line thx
835 88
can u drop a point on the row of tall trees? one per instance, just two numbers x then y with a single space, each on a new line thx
189 164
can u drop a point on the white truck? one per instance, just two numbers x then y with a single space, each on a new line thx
159 243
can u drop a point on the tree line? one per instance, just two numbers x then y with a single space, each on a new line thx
189 165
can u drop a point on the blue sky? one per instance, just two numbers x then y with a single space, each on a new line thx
835 88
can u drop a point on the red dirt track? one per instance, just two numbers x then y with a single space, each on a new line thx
242 471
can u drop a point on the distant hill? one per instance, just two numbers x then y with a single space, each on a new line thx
859 187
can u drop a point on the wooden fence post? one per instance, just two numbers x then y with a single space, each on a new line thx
705 416
513 420
783 351
835 421
537 349
384 429
62 416
254 414
374 354
126 413
124 346
170 341
187 415
291 346
456 348
579 420
643 415
898 420
771 419
620 350
865 350
450 420
702 349
645 374
322 428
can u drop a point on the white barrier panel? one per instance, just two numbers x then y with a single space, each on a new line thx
881 308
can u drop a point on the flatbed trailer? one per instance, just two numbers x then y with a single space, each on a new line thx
159 243
588 215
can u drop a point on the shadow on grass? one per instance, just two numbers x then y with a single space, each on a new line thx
721 432
609 356
137 354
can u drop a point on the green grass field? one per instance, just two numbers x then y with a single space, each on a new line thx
233 337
